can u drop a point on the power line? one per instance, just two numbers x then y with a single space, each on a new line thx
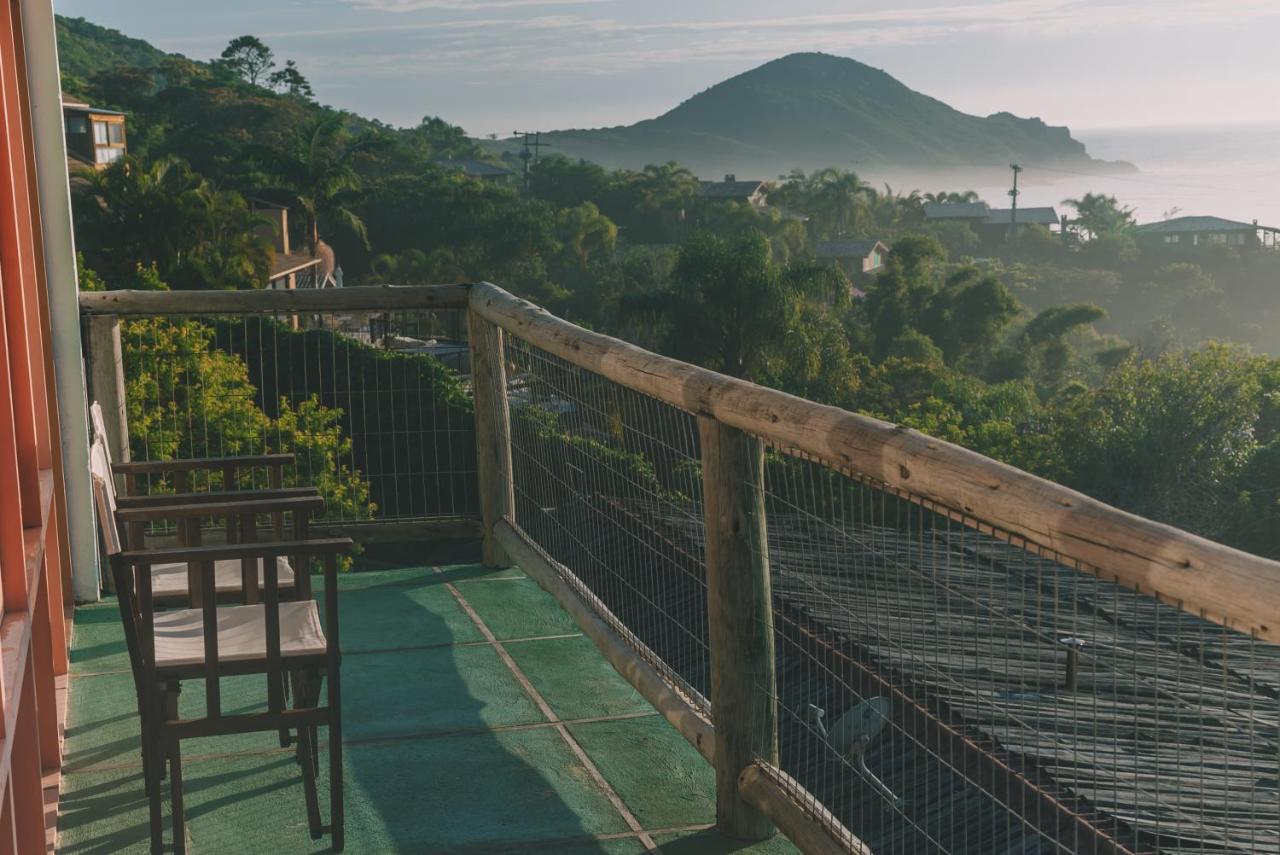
532 143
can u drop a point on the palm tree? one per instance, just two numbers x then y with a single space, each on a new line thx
1100 214
584 231
316 173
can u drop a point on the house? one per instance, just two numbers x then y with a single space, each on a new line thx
752 193
291 267
95 137
1201 231
478 169
857 258
990 223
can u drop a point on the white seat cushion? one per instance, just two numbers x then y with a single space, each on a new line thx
242 634
170 580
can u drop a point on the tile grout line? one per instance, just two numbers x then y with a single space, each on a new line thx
545 708
384 650
421 735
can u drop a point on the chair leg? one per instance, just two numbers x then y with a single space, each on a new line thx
306 760
175 790
337 821
285 738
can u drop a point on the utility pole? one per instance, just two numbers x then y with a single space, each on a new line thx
1013 212
529 154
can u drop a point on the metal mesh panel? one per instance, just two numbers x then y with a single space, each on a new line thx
944 687
593 465
374 406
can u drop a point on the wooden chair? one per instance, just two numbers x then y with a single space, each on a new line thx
172 583
280 639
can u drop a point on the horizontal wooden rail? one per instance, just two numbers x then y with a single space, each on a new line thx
812 828
1225 585
371 298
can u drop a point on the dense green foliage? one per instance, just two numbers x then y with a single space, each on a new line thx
1085 357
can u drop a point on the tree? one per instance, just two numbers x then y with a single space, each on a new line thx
249 58
729 307
1169 438
165 218
315 171
290 81
585 231
1101 215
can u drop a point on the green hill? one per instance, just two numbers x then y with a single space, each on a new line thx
812 110
84 49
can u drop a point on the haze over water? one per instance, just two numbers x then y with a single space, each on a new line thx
1228 171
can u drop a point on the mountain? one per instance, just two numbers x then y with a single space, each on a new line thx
812 110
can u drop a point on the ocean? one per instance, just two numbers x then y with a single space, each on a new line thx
1231 172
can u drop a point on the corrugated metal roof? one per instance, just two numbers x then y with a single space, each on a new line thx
1039 216
956 210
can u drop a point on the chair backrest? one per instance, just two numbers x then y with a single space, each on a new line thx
98 423
104 495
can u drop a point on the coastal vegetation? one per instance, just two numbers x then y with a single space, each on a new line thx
1136 374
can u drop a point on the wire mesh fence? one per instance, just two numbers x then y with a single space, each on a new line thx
374 406
941 685
593 466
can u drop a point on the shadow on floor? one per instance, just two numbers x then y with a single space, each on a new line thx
426 770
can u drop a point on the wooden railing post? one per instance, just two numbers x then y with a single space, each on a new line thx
740 617
106 381
493 432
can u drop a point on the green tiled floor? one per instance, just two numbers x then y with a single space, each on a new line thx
444 749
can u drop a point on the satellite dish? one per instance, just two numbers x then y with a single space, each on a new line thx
853 732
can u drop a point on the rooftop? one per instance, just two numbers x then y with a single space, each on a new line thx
1038 216
477 718
1185 225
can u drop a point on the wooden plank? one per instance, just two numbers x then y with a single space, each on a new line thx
220 551
371 298
493 434
1222 584
810 826
191 464
152 513
673 705
740 621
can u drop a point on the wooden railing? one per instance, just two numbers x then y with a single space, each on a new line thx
736 419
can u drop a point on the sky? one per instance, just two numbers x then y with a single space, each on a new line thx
495 66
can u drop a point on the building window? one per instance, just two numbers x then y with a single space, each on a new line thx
108 141
1171 238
